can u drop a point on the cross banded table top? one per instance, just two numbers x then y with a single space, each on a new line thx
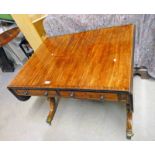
98 59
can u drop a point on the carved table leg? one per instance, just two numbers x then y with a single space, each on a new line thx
129 106
53 107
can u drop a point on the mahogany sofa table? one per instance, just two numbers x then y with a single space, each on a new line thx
95 65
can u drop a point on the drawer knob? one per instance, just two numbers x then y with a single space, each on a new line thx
46 93
101 98
72 94
25 93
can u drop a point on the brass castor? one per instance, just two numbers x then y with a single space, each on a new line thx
49 120
129 135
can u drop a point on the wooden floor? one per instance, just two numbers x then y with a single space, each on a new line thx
97 59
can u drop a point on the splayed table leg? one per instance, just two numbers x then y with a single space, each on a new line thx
53 107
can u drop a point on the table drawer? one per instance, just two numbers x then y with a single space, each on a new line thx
90 95
97 96
36 92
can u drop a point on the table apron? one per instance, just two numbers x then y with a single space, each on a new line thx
108 96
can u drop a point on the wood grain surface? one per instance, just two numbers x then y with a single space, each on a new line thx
8 35
97 59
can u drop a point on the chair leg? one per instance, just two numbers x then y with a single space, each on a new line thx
53 106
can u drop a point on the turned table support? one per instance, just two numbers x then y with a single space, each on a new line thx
129 109
53 106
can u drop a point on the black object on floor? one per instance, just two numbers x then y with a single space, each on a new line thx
5 63
24 43
5 37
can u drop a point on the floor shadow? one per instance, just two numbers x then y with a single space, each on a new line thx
38 104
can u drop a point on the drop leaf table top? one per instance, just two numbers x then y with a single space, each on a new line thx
95 64
98 59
